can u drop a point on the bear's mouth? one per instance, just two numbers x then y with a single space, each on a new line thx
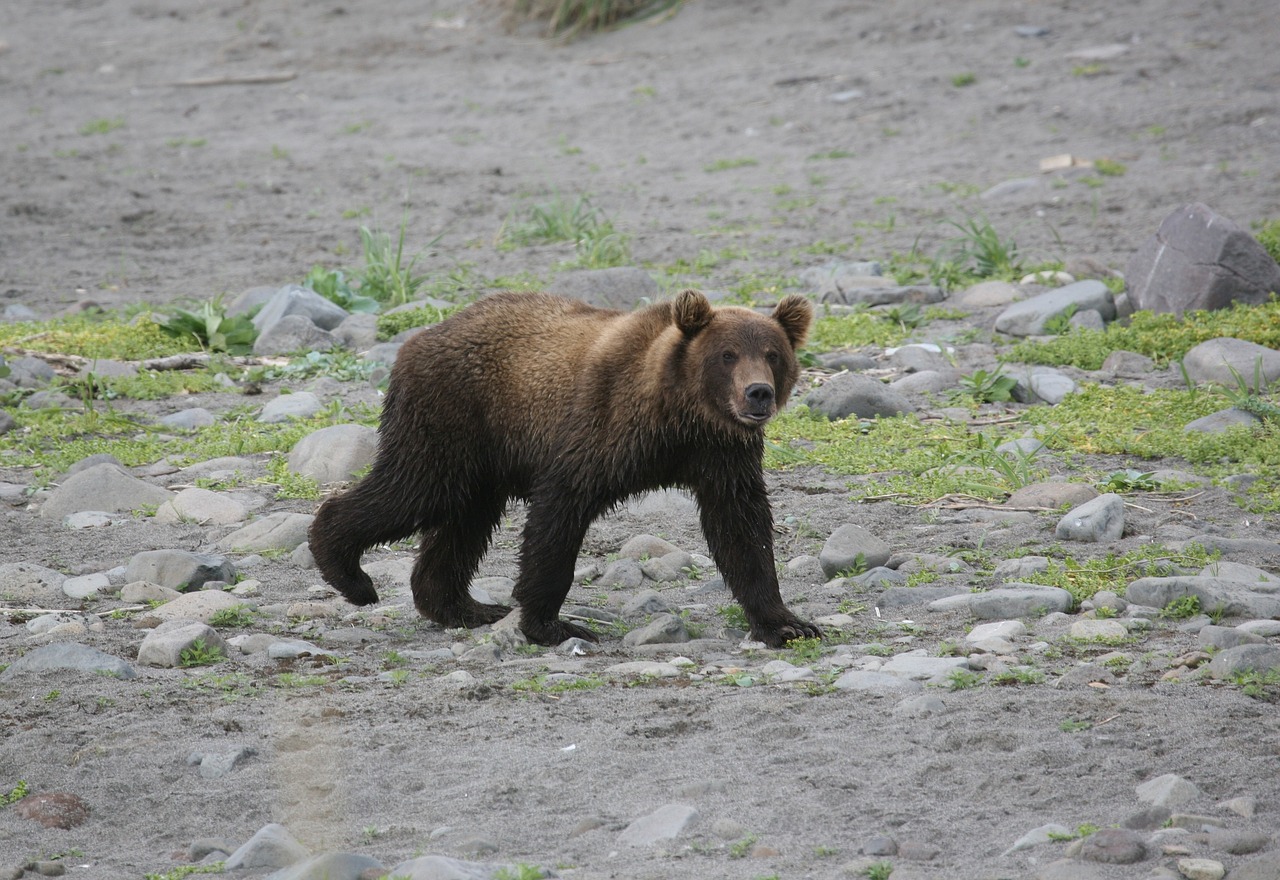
753 419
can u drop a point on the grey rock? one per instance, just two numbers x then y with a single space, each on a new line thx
999 629
1169 790
330 866
1218 637
104 487
852 394
1070 869
1114 846
663 504
358 332
1221 421
254 298
624 574
293 334
299 301
201 506
1128 365
644 603
853 361
1010 570
1237 842
1050 495
1199 259
1222 360
1244 658
1018 600
271 847
334 454
664 629
179 569
876 683
1029 317
87 586
30 372
1037 836
1232 598
164 645
665 823
67 656
850 544
896 598
1147 820
920 667
1045 384
139 592
26 583
1088 320
624 287
1095 521
986 294
275 531
1084 675
217 766
188 419
647 546
299 405
200 606
926 382
383 353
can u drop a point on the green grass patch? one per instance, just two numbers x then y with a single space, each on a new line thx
1085 578
1162 337
855 330
1268 235
730 164
96 336
597 243
394 323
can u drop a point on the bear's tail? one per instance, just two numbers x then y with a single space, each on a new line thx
347 525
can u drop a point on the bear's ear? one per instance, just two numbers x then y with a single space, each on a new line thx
692 312
795 314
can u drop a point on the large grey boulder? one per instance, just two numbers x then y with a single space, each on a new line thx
1030 316
294 299
103 487
852 394
334 454
1222 360
1199 259
294 333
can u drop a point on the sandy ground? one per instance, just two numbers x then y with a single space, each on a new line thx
435 112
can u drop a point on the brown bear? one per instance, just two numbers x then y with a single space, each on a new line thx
571 408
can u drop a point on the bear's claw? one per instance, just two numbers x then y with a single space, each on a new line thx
555 632
777 635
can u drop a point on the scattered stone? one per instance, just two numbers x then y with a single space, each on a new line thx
1199 259
68 656
645 603
1169 790
876 682
1099 520
276 531
1128 365
358 332
334 454
1237 842
188 419
201 506
293 334
200 605
1029 316
217 766
143 592
1011 600
1264 867
850 545
164 645
1230 597
86 586
1242 806
665 823
1098 630
1045 384
623 287
985 294
1216 637
104 487
647 546
645 669
624 574
919 666
445 868
1050 495
1222 421
54 809
852 394
664 629
1114 846
1037 836
298 405
271 847
1260 658
294 299
179 569
1222 360
1201 869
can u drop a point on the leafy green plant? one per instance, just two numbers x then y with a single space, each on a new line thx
1268 235
182 871
741 848
981 250
1128 480
1182 609
1061 322
199 653
519 871
1018 675
101 126
734 616
878 871
240 615
961 679
988 387
17 793
1260 685
1109 168
730 164
1072 725
960 80
387 278
394 323
597 243
803 651
332 284
212 328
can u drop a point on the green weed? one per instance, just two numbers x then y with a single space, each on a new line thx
571 18
960 80
1182 609
15 794
962 679
730 164
101 126
198 653
333 285
182 871
988 387
212 328
236 616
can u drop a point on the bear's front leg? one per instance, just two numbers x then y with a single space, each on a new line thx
738 525
553 535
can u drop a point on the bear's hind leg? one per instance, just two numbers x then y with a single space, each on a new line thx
553 536
347 525
447 558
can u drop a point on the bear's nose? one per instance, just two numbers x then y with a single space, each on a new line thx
760 394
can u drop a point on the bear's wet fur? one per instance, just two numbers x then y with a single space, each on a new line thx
572 409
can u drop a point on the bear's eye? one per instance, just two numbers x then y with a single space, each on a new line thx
729 357
772 357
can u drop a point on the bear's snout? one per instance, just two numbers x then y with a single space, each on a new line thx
759 398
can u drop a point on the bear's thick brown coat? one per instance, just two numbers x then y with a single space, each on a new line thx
572 409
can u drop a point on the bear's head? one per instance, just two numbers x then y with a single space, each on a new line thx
744 362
